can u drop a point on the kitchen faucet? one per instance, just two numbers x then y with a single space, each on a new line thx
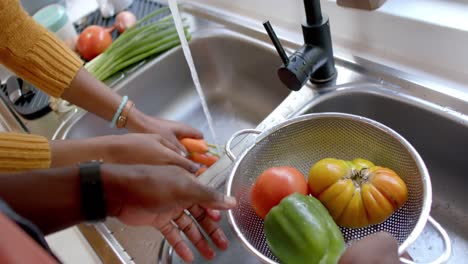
314 60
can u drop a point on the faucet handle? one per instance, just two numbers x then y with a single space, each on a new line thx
276 42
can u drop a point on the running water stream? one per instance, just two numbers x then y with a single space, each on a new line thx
188 56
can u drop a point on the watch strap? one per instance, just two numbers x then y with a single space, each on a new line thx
93 204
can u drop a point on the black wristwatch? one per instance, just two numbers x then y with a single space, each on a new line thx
93 204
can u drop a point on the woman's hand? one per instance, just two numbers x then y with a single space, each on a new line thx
151 149
161 196
171 130
94 96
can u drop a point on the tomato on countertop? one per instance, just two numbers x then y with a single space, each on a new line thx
93 41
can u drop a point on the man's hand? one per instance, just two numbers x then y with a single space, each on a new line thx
161 196
379 248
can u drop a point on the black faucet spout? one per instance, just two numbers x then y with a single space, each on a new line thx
314 60
313 12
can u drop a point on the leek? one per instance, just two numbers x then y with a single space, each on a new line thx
146 38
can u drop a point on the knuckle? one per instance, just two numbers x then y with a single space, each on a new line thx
188 228
214 231
201 217
166 229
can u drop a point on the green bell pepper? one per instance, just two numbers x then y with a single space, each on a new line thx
300 230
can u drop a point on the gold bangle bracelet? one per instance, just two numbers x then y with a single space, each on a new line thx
122 120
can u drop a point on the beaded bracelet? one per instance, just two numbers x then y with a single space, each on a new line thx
119 111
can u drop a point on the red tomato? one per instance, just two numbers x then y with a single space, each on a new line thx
93 41
273 185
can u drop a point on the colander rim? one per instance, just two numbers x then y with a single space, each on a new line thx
427 187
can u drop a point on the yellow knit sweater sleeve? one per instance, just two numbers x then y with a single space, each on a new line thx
19 152
33 53
37 56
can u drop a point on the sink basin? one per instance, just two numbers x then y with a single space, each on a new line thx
236 75
440 138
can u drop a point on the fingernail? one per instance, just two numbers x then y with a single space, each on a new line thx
183 154
223 242
215 215
186 253
211 254
230 201
195 168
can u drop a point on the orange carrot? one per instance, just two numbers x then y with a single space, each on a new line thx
195 145
205 159
200 171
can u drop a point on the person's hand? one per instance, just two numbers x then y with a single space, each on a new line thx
380 247
160 196
151 149
171 130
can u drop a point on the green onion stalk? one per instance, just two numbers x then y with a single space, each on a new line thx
137 43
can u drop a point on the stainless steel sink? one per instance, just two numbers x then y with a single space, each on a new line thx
237 67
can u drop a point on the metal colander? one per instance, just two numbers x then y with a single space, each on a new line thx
302 141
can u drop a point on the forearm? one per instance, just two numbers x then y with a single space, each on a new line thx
71 152
94 96
49 198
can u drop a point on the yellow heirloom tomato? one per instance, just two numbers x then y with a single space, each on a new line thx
357 193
